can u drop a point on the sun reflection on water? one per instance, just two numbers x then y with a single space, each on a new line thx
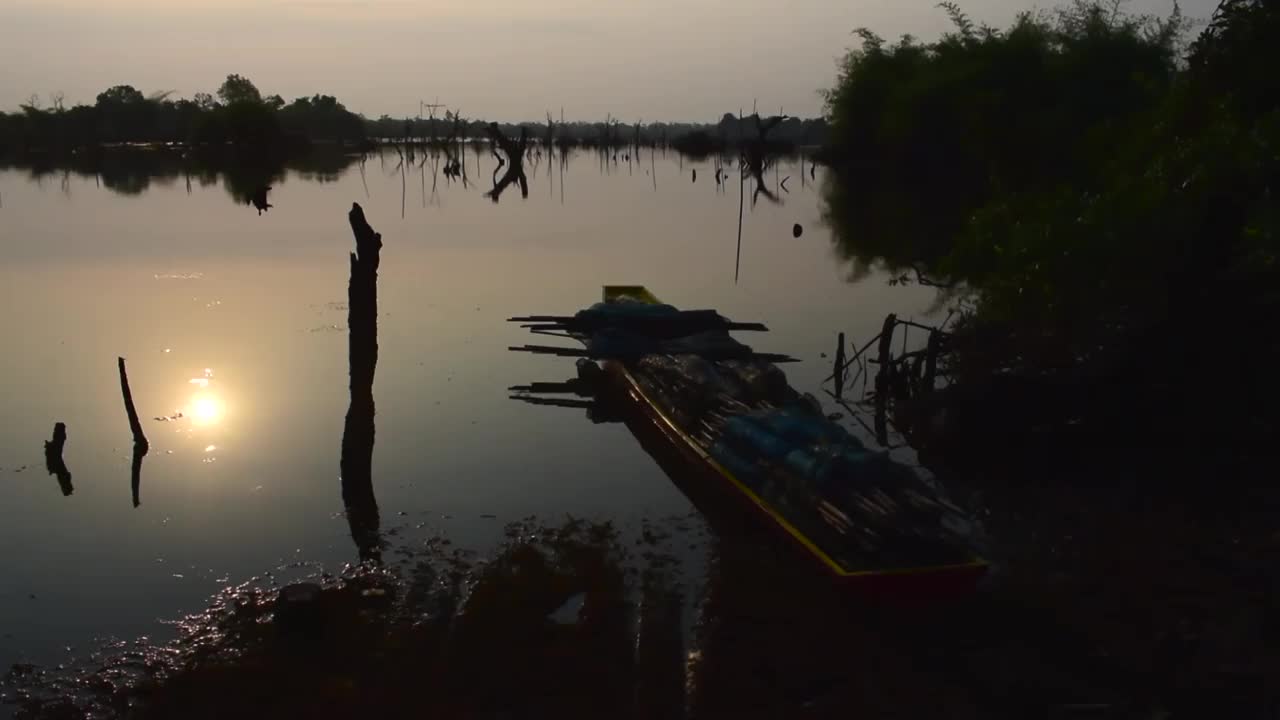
206 409
206 406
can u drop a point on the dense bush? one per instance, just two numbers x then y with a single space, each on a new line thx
983 113
1105 202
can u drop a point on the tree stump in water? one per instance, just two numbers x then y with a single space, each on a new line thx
359 430
53 461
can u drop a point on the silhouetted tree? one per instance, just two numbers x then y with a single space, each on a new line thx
237 89
204 101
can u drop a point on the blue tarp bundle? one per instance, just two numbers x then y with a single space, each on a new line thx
818 453
616 343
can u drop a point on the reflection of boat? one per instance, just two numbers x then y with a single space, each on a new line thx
753 443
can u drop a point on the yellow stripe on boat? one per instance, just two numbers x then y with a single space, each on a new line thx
637 292
641 293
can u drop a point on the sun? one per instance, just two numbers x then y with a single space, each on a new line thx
206 409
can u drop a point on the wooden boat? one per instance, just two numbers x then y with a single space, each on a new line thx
929 572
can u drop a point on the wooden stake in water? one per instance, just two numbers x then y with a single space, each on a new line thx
140 444
839 368
884 379
742 195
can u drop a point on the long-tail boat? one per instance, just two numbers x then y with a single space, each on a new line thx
729 416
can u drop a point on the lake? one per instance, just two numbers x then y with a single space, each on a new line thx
233 324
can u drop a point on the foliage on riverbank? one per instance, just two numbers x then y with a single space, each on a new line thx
1102 194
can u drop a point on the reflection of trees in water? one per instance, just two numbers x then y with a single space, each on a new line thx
322 165
243 179
876 230
134 170
122 174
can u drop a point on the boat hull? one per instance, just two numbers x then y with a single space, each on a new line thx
717 493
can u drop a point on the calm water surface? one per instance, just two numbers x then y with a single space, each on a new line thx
236 322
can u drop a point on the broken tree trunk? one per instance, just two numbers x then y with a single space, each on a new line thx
359 430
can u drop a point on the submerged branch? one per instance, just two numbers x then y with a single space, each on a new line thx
140 444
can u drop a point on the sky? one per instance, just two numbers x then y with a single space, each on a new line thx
650 60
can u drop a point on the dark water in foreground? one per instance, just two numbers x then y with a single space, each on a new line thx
233 325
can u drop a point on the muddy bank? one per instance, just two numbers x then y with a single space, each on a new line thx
1102 606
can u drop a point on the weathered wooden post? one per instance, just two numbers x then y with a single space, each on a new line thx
884 379
839 368
358 431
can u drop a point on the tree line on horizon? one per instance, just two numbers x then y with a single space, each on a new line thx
239 114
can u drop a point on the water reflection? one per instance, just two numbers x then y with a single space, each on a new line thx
132 170
874 230
206 409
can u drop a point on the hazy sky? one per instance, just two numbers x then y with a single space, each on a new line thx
499 59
